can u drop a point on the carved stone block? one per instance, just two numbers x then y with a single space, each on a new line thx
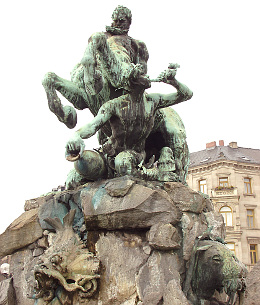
164 236
185 198
23 231
7 293
141 207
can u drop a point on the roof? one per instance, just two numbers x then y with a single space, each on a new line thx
219 153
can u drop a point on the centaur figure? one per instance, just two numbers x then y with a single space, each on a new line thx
111 68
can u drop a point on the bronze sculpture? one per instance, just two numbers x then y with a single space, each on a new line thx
114 68
141 137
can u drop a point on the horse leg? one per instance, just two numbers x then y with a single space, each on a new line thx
93 79
65 114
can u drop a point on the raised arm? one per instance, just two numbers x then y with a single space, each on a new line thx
76 144
164 100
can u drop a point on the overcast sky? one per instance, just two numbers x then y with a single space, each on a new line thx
216 43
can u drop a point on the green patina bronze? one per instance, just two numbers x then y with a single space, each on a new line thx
142 136
213 267
110 81
217 268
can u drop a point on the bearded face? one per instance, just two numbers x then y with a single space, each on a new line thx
119 26
121 21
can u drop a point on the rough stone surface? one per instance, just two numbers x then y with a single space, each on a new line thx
164 237
185 198
119 187
52 208
7 292
21 267
193 225
154 276
173 294
37 202
131 301
141 207
3 277
252 295
37 252
22 232
122 257
216 222
142 232
43 242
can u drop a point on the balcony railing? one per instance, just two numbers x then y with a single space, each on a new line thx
224 191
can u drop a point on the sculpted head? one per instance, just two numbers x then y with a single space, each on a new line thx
217 268
125 162
166 161
122 18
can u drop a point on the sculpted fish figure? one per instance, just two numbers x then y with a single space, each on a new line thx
66 264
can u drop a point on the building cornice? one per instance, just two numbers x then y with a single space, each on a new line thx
222 163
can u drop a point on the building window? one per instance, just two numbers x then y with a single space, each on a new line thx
253 253
203 186
250 216
231 247
223 182
227 215
247 186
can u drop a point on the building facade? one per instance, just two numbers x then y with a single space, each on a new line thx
230 176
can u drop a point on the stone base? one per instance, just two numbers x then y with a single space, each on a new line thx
142 232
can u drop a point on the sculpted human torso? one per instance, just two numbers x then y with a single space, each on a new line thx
122 45
130 116
131 123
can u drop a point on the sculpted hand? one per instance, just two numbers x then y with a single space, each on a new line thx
74 147
168 75
137 71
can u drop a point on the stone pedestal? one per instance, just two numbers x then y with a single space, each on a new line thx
143 234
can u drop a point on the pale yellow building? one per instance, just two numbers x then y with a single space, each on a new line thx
230 175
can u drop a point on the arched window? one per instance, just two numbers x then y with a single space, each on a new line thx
227 215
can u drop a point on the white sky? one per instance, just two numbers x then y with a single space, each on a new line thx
216 43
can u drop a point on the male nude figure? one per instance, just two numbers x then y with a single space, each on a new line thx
114 55
131 118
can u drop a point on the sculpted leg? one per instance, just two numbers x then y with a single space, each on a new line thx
93 79
174 134
65 114
72 90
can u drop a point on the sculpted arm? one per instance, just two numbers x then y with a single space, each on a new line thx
76 144
164 100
